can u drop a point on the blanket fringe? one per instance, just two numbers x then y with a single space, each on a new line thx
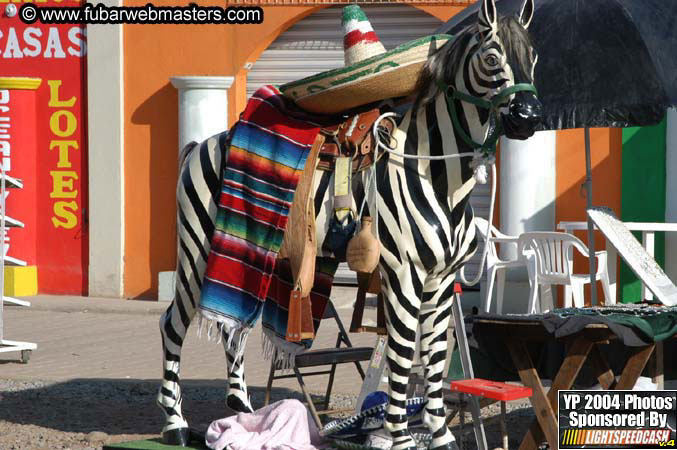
281 351
275 348
235 330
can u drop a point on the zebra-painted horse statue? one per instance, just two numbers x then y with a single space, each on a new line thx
475 88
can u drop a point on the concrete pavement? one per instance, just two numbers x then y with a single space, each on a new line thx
91 338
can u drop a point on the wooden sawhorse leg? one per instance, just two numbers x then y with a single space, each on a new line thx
545 406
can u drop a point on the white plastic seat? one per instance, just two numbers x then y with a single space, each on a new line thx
554 263
496 267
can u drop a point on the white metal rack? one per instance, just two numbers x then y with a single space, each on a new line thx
6 345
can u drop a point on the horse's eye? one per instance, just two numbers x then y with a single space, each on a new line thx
491 60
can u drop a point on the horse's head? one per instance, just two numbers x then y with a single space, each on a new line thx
490 65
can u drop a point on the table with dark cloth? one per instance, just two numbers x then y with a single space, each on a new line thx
572 345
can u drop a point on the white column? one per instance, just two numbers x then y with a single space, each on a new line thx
203 112
203 106
671 194
527 180
105 146
527 203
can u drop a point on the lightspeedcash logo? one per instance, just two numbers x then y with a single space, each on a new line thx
617 419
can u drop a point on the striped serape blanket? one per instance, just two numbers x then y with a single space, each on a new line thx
264 161
275 309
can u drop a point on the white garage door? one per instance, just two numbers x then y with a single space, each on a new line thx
315 44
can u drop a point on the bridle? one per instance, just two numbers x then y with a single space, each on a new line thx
489 144
482 154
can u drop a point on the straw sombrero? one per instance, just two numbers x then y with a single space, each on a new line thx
370 74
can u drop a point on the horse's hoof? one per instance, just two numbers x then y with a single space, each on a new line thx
177 436
237 405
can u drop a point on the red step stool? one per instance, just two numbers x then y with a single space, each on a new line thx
502 392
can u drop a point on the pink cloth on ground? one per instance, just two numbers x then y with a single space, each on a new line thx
283 425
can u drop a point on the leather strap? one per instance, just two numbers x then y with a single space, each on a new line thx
358 309
307 328
381 315
294 317
365 284
359 129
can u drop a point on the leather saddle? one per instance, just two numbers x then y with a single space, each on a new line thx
352 138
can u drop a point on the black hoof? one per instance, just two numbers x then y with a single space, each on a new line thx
237 405
177 436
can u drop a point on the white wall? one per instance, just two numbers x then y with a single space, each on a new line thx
527 203
527 185
106 158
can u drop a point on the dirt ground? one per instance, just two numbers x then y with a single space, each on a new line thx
86 414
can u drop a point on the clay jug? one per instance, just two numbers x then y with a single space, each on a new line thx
363 250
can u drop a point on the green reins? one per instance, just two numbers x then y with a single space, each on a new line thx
489 145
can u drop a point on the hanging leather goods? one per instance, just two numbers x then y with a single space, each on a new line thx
307 328
294 317
300 317
342 224
300 246
363 250
299 243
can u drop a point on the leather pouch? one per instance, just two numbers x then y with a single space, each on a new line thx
363 249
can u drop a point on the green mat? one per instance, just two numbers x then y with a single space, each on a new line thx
152 444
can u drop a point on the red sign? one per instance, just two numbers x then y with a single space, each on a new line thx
18 145
55 53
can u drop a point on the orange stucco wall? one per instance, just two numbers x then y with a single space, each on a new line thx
606 146
153 54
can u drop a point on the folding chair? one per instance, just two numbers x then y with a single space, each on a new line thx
323 357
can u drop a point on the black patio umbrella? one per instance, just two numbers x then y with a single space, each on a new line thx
601 63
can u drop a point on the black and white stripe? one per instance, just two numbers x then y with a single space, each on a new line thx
425 225
199 185
425 221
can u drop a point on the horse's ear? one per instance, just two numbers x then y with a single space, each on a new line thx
487 16
527 13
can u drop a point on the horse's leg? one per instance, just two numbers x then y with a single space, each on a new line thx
173 326
434 318
237 398
402 288
196 193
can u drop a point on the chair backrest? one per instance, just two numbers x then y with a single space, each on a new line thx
554 252
481 225
331 313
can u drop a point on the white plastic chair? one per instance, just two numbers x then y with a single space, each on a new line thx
496 267
554 265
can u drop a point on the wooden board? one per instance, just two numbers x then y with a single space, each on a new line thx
641 263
